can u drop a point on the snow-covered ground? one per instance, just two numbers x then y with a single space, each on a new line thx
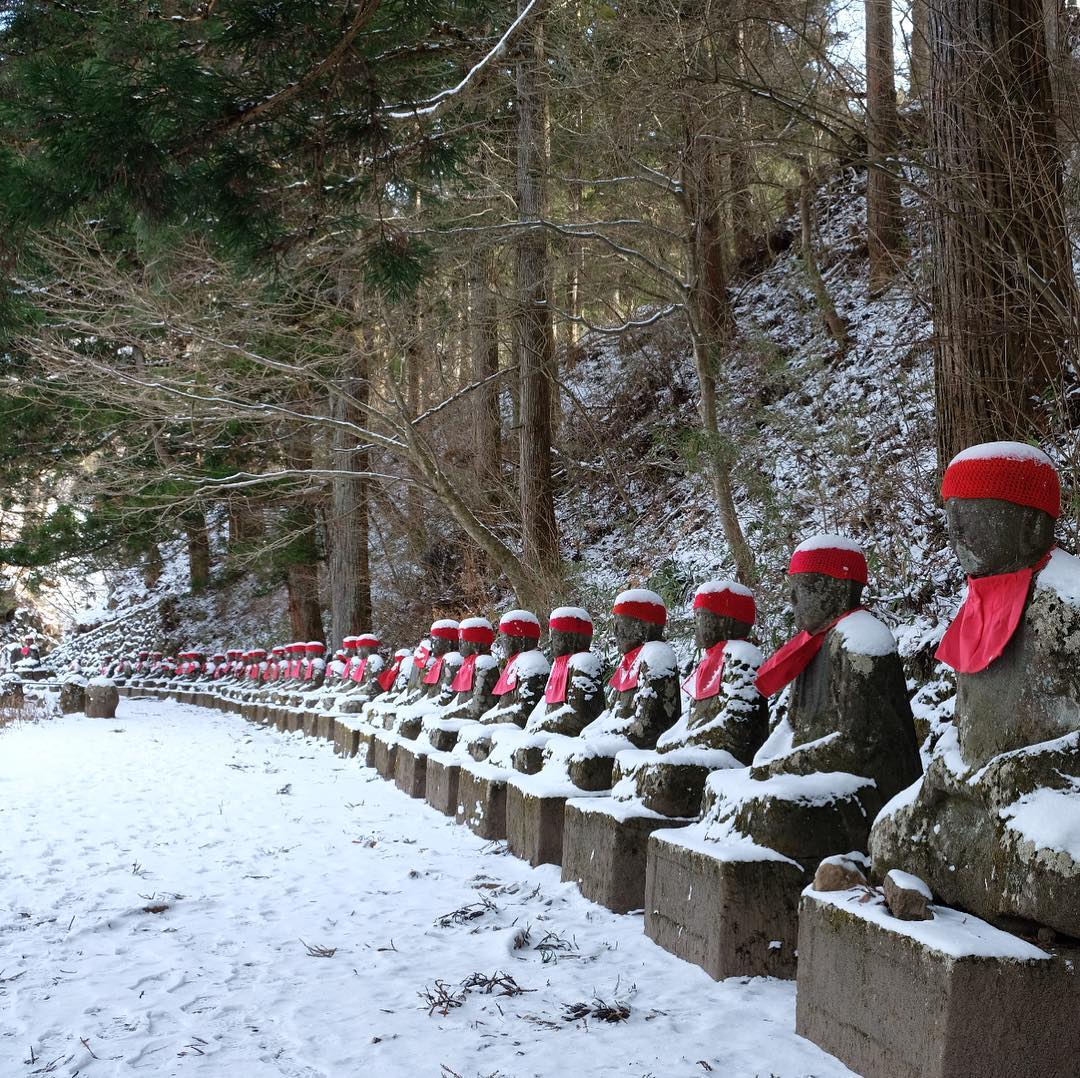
163 876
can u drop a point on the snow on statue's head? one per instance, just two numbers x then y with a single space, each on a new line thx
1001 500
828 574
444 636
366 644
723 610
638 617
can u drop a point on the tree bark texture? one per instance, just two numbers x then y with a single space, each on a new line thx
347 518
532 322
198 545
487 427
1003 290
884 232
301 551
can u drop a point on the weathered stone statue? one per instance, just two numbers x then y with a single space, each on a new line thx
361 684
970 829
573 693
846 745
990 828
607 839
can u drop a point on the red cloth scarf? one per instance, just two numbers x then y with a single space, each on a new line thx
346 669
558 680
294 667
987 620
25 649
508 678
464 678
626 677
387 678
434 671
793 658
359 670
704 682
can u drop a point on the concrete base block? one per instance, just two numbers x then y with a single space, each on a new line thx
382 754
293 720
534 826
891 1006
346 740
441 787
309 723
482 802
247 709
732 918
278 718
604 853
410 769
325 725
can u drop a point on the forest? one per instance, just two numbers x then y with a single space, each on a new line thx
395 309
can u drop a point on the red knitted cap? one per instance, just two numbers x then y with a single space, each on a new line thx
367 640
476 631
641 604
445 628
728 599
830 555
316 647
520 623
571 619
1008 471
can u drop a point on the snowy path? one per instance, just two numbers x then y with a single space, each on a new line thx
254 841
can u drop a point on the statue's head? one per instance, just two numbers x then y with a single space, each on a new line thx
519 630
365 645
723 610
570 629
828 574
1002 500
639 616
444 636
348 645
475 636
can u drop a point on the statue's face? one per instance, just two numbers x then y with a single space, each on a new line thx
440 645
468 647
631 632
563 643
364 652
989 536
818 599
710 628
511 645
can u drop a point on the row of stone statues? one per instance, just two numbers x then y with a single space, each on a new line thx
687 802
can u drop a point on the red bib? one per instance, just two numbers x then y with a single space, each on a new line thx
387 678
704 682
434 673
463 679
359 670
626 677
508 678
793 658
558 680
987 620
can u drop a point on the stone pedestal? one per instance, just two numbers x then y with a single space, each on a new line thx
949 998
442 781
605 843
101 701
293 720
72 697
482 800
382 754
309 721
325 726
732 910
346 738
534 823
410 769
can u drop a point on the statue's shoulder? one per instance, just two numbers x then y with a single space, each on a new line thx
862 634
744 653
657 657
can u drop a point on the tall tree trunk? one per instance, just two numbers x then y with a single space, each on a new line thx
834 323
533 326
884 233
1003 287
920 48
198 545
246 525
302 551
712 321
347 519
487 429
